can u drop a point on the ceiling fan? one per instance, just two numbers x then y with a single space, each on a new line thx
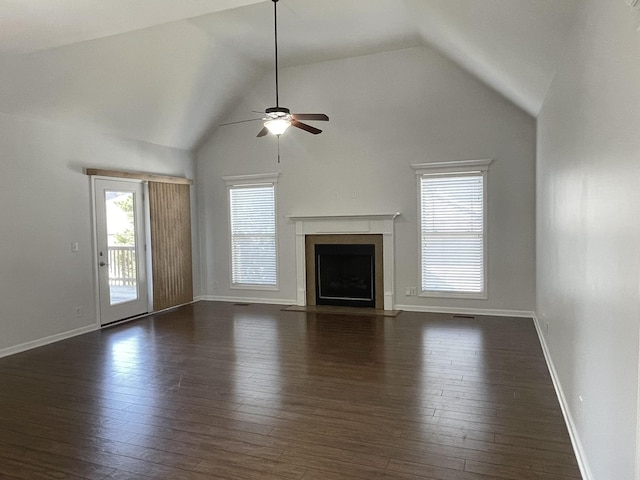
277 119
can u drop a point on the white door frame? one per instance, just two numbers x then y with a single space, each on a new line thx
144 236
637 468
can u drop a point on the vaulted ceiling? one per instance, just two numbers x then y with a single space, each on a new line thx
169 72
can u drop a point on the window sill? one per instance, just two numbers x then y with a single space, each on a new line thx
269 288
460 296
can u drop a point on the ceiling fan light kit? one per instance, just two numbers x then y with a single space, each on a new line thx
278 126
278 120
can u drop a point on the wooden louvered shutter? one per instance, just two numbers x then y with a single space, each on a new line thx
170 215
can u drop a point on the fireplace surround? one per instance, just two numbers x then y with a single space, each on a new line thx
349 229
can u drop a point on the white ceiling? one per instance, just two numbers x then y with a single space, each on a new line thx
168 72
30 25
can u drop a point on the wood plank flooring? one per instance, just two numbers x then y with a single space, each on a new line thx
222 391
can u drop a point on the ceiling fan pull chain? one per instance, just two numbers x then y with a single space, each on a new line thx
278 148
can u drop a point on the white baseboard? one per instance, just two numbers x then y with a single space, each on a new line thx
5 352
267 301
408 308
173 307
564 405
465 311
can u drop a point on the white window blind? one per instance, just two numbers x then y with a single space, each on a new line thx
253 235
452 233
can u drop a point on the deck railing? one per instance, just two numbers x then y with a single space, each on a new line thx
122 265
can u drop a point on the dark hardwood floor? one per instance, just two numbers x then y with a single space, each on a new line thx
217 390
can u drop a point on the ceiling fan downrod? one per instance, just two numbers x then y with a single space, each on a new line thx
275 36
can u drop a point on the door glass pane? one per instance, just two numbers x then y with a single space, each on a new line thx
121 245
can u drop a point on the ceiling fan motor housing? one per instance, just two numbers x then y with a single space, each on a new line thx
277 112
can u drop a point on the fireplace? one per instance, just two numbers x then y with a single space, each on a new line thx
345 275
374 229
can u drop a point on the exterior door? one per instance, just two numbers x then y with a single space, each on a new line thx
121 257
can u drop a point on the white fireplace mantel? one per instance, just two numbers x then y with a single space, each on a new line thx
382 224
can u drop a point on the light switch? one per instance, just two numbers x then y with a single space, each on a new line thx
75 247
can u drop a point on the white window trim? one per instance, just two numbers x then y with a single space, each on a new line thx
250 180
253 179
454 167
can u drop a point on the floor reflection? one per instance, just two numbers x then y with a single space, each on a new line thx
349 340
129 380
256 341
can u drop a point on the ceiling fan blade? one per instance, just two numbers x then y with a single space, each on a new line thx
310 116
306 127
263 132
239 121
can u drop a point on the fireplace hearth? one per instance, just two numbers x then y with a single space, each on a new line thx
345 275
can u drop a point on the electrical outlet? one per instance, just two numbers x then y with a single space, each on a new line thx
414 291
78 312
75 247
407 292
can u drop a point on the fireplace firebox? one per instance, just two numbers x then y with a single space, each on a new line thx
345 275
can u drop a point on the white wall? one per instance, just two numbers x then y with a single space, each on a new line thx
588 204
44 206
387 111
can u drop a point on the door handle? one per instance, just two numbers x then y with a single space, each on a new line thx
102 264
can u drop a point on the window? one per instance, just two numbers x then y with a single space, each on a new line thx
252 212
452 228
